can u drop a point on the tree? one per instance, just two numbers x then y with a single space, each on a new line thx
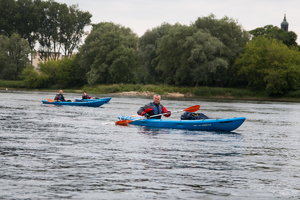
232 35
269 64
35 80
188 56
147 57
7 17
27 21
66 72
173 57
61 73
3 55
49 30
72 22
14 55
61 29
108 55
205 56
270 31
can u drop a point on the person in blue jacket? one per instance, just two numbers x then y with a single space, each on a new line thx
60 96
154 108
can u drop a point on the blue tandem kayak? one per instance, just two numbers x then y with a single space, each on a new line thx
228 124
107 99
72 103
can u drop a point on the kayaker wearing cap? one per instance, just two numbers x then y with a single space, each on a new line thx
85 95
60 96
154 108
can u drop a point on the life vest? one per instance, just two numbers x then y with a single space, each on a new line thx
60 97
156 111
85 96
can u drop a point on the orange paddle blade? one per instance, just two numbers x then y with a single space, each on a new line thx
192 108
123 122
50 100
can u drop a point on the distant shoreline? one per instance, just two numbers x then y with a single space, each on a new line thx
179 95
169 95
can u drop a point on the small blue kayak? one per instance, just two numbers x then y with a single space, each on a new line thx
228 124
107 99
72 103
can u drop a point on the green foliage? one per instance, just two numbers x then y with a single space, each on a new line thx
56 26
202 53
207 92
268 63
173 57
71 27
294 94
206 56
233 37
13 56
196 56
34 80
66 74
12 84
61 73
7 20
27 20
4 57
108 55
270 31
147 57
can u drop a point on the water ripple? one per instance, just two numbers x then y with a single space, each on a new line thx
51 152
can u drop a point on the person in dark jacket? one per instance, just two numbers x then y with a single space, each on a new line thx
60 96
154 108
85 95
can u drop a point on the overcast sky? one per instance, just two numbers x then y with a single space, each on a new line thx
140 15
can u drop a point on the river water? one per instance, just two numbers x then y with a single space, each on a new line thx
51 152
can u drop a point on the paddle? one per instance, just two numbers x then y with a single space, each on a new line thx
189 109
50 100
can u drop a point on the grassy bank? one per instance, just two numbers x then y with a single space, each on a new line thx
12 84
164 90
199 92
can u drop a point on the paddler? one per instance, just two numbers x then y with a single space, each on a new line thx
60 96
85 95
154 108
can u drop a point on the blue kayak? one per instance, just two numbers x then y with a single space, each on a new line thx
107 99
228 124
72 103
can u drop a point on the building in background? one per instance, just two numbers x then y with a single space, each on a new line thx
285 24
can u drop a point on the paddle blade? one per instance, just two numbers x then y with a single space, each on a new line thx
123 122
192 108
50 100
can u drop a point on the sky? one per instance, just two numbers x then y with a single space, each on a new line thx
141 15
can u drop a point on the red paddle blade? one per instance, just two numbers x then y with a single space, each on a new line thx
123 122
192 108
50 100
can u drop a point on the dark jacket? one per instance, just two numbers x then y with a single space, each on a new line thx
86 96
153 109
59 97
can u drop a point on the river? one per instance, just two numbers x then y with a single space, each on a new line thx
66 152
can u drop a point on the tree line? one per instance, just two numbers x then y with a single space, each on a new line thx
208 52
55 26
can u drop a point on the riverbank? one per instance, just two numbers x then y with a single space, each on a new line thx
164 91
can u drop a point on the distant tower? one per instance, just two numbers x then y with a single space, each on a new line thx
285 24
